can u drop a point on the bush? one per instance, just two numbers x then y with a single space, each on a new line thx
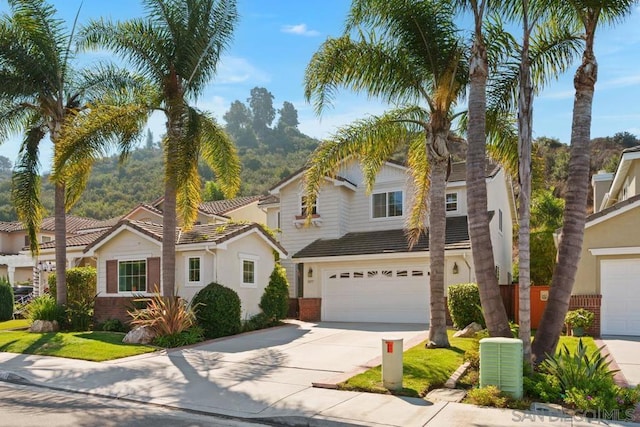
217 310
543 387
114 325
275 299
488 396
259 321
580 318
164 315
6 300
81 285
45 307
190 336
79 315
463 301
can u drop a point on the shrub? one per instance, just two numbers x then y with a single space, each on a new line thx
114 325
488 396
81 285
580 318
463 301
6 300
79 314
44 307
259 321
190 336
544 387
275 299
164 315
218 310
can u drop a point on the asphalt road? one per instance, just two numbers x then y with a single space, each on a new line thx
28 406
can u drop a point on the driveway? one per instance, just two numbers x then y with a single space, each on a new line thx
624 351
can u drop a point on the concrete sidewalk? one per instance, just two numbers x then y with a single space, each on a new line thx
257 376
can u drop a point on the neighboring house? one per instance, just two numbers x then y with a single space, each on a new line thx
237 255
217 212
353 263
609 268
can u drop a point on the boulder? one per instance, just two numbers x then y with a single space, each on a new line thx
470 331
139 335
44 326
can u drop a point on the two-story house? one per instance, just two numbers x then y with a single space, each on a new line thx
353 263
609 269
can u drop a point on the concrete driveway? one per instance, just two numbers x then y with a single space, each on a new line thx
624 351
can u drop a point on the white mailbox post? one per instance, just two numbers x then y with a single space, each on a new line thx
392 363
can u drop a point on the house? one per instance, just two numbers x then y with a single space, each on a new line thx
226 245
353 262
609 266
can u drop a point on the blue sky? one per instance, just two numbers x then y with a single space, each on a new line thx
275 39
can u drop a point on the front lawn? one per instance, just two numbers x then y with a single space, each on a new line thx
15 324
423 369
94 346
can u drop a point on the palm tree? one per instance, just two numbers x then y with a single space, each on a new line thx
589 14
41 94
407 53
177 47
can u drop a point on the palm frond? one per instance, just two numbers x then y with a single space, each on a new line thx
419 167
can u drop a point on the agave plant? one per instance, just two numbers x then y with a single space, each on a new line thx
164 315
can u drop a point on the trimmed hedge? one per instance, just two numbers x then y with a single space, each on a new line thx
217 310
275 299
6 300
463 301
81 285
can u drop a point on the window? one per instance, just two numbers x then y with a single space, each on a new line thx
500 220
132 276
46 239
451 202
248 272
304 208
193 269
387 204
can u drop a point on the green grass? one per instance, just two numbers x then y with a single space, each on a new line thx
94 346
423 369
572 344
15 324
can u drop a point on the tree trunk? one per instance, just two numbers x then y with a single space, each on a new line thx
525 119
493 308
575 211
169 223
438 156
61 244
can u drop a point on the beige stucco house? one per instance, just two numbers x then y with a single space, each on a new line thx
609 270
353 262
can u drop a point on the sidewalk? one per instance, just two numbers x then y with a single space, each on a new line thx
180 380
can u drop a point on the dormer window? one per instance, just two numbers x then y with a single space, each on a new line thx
388 204
304 207
451 202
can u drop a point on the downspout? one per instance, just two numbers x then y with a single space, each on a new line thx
215 269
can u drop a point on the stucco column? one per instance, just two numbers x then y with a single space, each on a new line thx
11 270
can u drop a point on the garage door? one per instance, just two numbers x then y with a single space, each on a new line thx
620 307
397 295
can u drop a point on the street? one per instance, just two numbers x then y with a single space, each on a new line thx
27 406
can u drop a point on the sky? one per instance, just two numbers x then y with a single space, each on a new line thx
274 41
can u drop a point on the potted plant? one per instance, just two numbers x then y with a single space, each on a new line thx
579 320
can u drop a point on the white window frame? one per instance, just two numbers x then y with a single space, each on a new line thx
254 260
386 193
146 274
500 220
301 197
46 239
188 259
457 209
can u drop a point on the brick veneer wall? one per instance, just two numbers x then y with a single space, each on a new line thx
112 308
591 303
309 309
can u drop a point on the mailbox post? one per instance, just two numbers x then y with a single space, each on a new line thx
392 363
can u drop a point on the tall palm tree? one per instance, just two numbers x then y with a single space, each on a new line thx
408 53
40 95
177 47
590 14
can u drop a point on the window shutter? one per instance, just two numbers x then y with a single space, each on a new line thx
112 276
153 274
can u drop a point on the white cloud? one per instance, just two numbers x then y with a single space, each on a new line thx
559 94
238 70
300 29
332 119
624 81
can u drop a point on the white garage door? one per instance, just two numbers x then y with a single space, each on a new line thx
389 295
620 307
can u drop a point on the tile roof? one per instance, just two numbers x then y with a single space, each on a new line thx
83 239
9 227
107 223
221 207
613 208
271 199
388 241
74 223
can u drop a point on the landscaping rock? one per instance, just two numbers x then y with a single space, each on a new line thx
470 331
44 326
139 335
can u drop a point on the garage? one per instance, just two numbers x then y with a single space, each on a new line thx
619 283
386 295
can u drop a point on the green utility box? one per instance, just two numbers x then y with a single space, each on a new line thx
501 364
